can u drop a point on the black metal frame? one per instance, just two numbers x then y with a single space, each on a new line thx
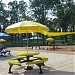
29 67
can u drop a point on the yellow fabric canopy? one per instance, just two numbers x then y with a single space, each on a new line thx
27 53
48 39
2 40
57 33
26 27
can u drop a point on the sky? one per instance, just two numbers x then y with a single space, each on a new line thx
7 1
27 1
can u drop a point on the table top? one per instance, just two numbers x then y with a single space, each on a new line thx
29 53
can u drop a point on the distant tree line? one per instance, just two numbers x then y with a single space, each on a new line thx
63 12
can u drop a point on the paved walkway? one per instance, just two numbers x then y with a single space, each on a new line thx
57 64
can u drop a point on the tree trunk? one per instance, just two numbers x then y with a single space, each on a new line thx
43 39
73 36
65 30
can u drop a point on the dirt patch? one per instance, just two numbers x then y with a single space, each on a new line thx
60 49
60 52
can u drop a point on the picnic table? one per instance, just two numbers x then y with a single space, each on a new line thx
23 57
28 55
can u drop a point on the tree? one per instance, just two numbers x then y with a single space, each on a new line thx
3 15
41 10
13 11
17 12
22 10
65 14
64 10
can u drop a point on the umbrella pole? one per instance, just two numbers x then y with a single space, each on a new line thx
27 41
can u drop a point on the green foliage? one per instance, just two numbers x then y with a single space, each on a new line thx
17 11
40 11
65 13
3 14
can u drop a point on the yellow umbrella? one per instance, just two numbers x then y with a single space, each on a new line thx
2 40
26 27
57 33
49 39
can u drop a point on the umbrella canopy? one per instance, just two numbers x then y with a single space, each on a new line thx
4 35
2 40
26 27
57 33
48 39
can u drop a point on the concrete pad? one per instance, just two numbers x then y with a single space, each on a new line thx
57 64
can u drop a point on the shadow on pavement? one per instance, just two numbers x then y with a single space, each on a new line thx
47 72
2 58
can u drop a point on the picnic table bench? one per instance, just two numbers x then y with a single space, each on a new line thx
17 61
39 62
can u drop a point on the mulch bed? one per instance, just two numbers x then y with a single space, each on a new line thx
60 50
